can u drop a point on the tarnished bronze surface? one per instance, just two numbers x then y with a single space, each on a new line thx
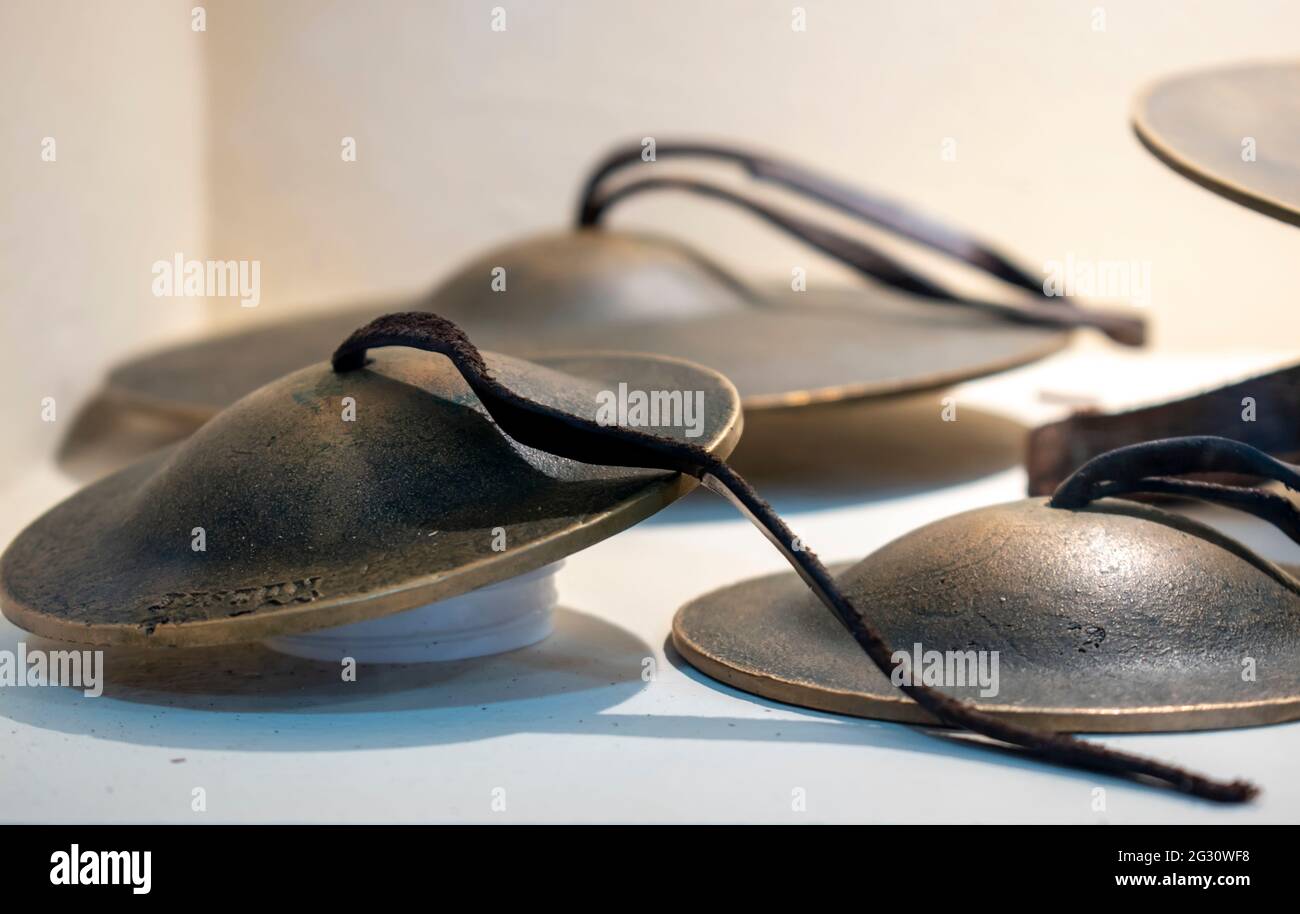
311 521
1199 123
609 290
1119 617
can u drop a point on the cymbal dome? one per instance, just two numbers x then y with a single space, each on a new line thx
589 275
296 509
1118 617
282 468
1102 591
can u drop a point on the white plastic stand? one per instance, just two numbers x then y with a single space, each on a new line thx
500 617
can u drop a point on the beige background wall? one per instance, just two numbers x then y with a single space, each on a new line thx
467 136
226 144
119 87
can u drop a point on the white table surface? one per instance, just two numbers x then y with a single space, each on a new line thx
569 731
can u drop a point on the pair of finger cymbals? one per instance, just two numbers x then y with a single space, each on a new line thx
1106 616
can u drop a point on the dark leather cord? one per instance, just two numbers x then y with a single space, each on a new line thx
1124 328
876 264
857 254
850 200
576 438
1152 468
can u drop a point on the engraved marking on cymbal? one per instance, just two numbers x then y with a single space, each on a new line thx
239 601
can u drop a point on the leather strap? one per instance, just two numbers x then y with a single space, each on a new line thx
598 199
1154 467
1054 450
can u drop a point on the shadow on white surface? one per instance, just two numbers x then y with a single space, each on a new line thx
940 741
151 695
253 699
250 698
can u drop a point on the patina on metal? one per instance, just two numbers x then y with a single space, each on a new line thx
309 520
1233 130
1106 615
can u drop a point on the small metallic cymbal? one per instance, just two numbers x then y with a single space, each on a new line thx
782 349
1118 617
612 290
1233 130
308 520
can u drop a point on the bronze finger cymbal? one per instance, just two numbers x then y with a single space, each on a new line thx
1233 130
309 520
609 290
1113 616
901 332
